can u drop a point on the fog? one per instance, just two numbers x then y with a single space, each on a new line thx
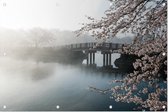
27 64
39 37
45 38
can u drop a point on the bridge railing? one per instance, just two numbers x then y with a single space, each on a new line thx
81 46
98 46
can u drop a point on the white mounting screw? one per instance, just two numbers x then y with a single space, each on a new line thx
164 54
163 106
4 107
110 107
57 107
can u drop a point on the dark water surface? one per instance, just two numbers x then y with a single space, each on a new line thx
30 86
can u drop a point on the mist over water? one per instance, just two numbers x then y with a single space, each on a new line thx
32 78
29 85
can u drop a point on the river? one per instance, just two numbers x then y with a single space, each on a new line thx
26 85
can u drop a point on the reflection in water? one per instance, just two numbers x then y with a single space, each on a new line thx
38 71
27 85
42 71
103 71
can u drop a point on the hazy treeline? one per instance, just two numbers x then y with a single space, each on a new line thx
39 37
35 43
22 41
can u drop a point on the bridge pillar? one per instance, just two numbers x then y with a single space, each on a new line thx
103 59
110 59
90 57
106 59
80 45
93 58
87 60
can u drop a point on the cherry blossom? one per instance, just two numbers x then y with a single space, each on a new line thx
147 20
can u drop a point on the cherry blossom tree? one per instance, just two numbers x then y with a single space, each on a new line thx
147 20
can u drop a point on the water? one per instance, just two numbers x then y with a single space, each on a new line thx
35 86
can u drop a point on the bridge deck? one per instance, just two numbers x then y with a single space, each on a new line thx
96 47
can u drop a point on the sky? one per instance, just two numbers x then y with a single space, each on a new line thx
49 14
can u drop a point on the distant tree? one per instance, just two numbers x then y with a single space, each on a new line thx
147 20
40 37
